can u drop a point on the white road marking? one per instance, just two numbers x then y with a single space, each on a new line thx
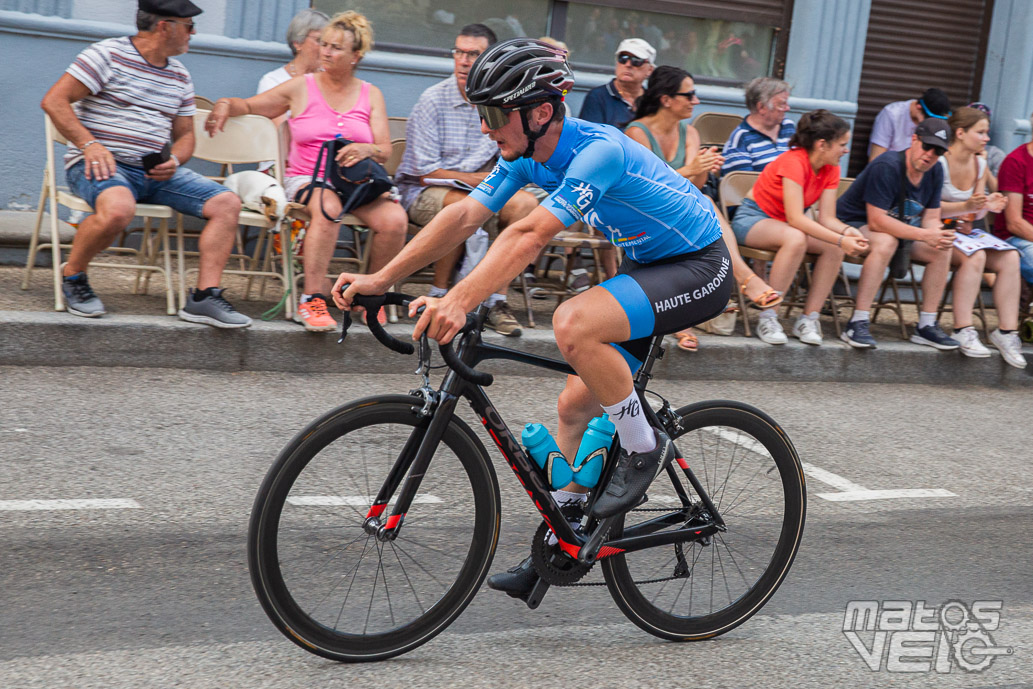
848 490
99 504
14 430
349 500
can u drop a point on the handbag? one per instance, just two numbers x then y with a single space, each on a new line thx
355 186
901 260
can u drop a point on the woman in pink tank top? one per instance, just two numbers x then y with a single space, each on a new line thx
324 105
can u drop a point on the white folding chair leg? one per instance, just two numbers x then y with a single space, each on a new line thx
34 240
180 261
55 248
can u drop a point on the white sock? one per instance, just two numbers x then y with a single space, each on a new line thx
925 319
566 497
860 316
769 313
437 292
494 299
304 298
632 427
812 316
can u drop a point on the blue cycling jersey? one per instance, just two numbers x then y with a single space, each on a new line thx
602 177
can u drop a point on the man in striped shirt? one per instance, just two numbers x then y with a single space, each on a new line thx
764 134
122 103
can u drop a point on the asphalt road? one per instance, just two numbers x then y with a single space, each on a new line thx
158 594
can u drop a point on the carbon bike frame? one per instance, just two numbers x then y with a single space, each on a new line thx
424 439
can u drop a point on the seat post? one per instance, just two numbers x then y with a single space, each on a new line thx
645 371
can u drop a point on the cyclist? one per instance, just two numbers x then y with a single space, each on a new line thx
676 271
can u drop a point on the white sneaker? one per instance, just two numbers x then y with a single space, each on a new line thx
807 330
1010 347
970 343
770 330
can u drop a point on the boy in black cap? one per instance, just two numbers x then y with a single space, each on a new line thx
895 123
121 100
895 198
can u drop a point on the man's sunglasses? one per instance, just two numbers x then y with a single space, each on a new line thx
688 94
932 147
493 116
624 59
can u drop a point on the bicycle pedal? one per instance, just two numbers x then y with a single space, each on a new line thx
534 598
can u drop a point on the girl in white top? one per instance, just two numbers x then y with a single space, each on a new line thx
975 252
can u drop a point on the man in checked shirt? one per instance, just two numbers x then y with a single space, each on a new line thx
444 142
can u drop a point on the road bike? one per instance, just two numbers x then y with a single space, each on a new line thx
377 524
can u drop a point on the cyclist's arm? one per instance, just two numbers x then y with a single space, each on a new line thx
471 178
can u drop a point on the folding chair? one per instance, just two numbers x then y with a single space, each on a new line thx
715 127
396 129
245 139
55 195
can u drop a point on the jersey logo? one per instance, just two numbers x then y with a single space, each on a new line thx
487 184
576 197
622 240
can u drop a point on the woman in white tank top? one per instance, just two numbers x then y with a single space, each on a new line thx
975 251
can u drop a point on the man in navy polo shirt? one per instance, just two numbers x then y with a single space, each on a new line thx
763 134
614 103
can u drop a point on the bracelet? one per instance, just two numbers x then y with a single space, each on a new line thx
87 144
173 157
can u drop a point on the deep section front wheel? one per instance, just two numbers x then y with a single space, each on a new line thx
333 587
698 589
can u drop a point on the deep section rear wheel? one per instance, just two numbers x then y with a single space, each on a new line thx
338 591
749 468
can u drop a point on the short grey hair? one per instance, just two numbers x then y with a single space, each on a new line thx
145 21
304 22
762 89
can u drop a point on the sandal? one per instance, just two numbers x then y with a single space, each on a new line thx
765 300
687 340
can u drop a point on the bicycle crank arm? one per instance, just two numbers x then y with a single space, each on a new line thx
534 598
590 550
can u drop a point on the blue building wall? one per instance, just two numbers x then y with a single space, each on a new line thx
39 38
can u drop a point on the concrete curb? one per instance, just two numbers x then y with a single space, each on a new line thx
59 339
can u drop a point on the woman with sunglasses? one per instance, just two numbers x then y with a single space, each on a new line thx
773 217
661 125
964 197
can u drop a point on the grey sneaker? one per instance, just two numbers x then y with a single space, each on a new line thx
79 297
807 330
970 344
213 310
933 336
858 336
1010 347
502 320
770 330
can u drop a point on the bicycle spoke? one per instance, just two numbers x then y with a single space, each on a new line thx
401 566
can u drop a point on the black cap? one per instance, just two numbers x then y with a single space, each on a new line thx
934 132
935 103
170 8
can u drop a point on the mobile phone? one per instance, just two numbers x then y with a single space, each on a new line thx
152 160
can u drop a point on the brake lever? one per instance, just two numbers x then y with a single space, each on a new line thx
346 322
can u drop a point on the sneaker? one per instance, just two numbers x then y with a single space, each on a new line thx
807 330
516 581
970 343
502 321
579 280
314 316
933 336
213 310
1010 347
770 330
79 297
634 472
857 335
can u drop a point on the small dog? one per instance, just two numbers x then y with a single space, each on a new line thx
259 192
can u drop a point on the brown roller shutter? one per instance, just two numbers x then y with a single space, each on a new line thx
913 45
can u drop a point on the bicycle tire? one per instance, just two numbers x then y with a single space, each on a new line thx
305 514
646 584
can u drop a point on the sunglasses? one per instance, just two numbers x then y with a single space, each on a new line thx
688 94
494 117
624 59
932 147
191 26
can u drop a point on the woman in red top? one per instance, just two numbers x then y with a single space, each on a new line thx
772 217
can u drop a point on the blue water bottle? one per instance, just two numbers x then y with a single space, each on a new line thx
591 454
546 454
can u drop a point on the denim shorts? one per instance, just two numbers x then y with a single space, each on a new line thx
746 216
186 192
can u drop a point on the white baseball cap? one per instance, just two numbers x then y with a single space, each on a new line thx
638 48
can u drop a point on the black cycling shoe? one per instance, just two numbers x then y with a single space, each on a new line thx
516 582
632 477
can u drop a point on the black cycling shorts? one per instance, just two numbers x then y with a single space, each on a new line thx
669 295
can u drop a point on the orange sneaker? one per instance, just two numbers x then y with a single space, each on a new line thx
314 315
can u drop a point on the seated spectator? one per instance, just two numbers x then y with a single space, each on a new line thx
873 204
964 197
443 141
896 122
614 103
765 132
994 155
122 99
1015 224
661 124
303 39
773 217
333 101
